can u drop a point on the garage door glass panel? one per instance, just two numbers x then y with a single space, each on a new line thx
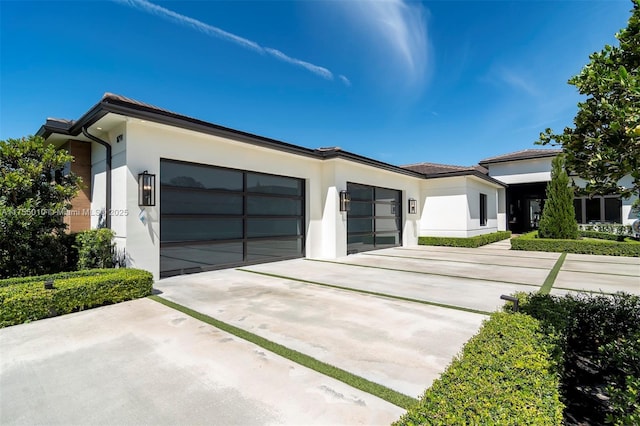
359 208
360 192
375 218
358 243
273 227
386 209
360 225
269 184
387 195
382 239
265 206
265 250
387 224
195 257
182 201
175 229
196 176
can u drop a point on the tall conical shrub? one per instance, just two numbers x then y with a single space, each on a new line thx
558 216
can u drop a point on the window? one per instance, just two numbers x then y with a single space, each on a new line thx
607 209
483 209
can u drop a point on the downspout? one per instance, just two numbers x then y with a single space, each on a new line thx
107 146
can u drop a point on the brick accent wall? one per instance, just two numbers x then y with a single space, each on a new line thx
79 217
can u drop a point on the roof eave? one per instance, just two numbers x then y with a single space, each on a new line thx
459 173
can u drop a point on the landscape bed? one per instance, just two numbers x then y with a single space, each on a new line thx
591 245
26 299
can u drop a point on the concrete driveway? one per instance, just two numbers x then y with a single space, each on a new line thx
395 317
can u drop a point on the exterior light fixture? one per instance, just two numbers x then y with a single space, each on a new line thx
345 201
413 206
146 189
511 299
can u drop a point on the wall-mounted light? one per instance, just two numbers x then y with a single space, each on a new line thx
345 201
146 189
413 206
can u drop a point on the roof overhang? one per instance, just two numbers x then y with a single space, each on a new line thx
124 107
467 173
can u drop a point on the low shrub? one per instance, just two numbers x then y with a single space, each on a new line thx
505 375
471 242
530 242
597 349
602 235
609 228
95 248
28 300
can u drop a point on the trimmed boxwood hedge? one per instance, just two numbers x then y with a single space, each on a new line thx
504 376
601 235
26 299
530 242
472 242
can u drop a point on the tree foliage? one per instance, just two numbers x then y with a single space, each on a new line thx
558 216
604 144
34 194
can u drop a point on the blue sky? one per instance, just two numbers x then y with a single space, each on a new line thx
399 81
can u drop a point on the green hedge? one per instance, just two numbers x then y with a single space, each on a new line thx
60 275
472 242
597 349
27 299
601 235
505 376
610 248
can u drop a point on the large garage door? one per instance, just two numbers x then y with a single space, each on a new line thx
212 217
375 218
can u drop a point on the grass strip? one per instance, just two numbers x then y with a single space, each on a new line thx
451 261
421 272
372 293
390 395
551 278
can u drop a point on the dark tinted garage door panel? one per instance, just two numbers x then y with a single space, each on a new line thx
213 217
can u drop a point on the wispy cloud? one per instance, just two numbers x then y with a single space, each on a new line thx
401 25
517 81
212 31
345 80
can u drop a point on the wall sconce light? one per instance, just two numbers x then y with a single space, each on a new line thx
413 206
345 201
146 189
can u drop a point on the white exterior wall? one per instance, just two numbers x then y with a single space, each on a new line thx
145 143
522 171
451 207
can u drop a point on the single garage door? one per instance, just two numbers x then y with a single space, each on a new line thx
213 217
375 218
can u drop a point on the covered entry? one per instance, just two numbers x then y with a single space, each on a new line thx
375 218
214 217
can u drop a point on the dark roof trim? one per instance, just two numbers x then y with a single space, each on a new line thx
527 154
119 105
475 173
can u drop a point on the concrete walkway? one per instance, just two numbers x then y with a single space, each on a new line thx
141 362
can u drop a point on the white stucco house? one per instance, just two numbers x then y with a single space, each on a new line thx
184 195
